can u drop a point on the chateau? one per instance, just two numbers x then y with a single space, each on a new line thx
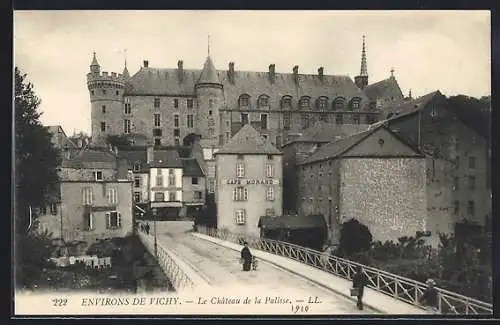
161 106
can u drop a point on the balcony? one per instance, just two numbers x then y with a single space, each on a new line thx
166 204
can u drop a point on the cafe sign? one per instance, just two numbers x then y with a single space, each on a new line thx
242 181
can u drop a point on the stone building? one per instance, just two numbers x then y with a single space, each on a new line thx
62 142
249 182
95 199
374 176
165 182
193 187
301 146
163 106
457 160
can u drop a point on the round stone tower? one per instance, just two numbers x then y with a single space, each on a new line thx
106 100
210 95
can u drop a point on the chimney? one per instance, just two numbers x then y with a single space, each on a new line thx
230 72
320 73
272 73
149 154
296 73
146 63
180 69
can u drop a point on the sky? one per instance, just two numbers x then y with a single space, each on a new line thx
429 50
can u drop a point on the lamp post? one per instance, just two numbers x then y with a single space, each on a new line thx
155 213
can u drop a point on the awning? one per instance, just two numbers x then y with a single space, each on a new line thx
292 222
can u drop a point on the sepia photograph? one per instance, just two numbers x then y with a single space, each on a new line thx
216 162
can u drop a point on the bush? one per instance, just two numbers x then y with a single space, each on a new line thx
354 238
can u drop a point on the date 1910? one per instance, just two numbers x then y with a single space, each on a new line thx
300 309
59 302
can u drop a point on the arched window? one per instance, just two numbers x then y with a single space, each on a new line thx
263 101
305 103
244 101
355 103
322 103
286 102
338 103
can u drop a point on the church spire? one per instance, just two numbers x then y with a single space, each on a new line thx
364 68
362 80
125 70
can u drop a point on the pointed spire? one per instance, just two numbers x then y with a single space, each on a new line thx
94 66
392 72
209 73
208 45
364 68
125 70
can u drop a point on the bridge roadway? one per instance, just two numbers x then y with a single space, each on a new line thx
220 267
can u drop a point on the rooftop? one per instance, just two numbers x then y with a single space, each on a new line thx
248 141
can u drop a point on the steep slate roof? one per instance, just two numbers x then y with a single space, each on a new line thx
405 108
248 141
91 156
168 158
134 155
326 132
54 131
209 73
160 81
338 148
386 88
192 168
292 222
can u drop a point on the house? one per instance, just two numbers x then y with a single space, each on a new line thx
249 182
457 160
193 187
95 199
374 176
165 182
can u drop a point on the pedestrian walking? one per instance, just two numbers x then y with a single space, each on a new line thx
429 298
359 281
246 257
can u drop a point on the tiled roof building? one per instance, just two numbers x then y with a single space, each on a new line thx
165 105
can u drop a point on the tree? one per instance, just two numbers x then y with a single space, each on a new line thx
354 237
36 158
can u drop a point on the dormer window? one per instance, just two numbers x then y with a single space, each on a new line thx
244 101
263 101
322 103
286 103
305 103
355 103
338 103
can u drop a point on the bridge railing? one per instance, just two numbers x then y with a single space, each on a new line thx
169 264
396 286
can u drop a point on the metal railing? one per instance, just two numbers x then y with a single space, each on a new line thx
169 264
404 289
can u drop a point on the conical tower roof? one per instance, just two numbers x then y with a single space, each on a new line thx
209 73
94 61
125 72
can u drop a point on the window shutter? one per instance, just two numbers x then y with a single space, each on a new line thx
118 220
245 194
234 194
108 221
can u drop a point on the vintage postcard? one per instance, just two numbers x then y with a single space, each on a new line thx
252 163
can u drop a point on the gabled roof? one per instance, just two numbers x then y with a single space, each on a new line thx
192 168
55 130
337 149
134 155
248 141
406 108
90 156
322 132
168 158
209 73
384 89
